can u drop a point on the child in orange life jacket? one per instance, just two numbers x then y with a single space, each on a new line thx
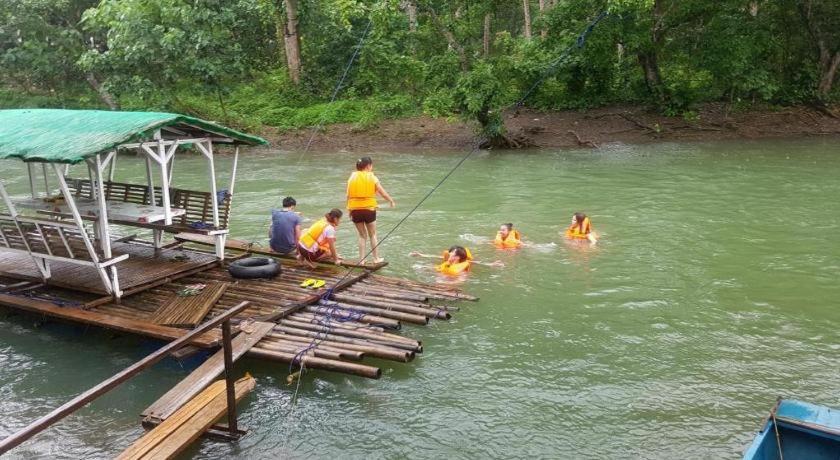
507 238
456 260
581 229
317 243
362 188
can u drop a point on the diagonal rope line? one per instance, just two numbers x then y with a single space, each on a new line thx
337 88
579 42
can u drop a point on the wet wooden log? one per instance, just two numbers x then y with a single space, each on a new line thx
311 362
395 306
288 347
366 318
377 351
344 338
398 315
350 332
300 344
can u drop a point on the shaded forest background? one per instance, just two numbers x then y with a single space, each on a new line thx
256 63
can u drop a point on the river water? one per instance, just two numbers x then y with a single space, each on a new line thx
713 291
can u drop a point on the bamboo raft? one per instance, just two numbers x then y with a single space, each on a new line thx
360 318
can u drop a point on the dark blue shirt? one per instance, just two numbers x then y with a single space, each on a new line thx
283 225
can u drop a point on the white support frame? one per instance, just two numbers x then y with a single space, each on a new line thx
162 157
42 264
31 180
206 149
110 287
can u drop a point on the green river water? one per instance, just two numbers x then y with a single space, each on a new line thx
715 288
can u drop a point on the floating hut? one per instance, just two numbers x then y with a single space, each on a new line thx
58 257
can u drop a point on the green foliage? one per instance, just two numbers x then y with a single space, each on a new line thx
225 59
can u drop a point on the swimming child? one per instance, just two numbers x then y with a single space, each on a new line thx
507 238
362 188
317 243
456 260
581 229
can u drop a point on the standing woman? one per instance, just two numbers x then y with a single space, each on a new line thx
362 188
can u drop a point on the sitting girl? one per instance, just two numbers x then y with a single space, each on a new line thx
581 229
317 243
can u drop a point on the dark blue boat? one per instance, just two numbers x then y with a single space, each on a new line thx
798 430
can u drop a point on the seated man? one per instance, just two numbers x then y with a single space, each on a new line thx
285 227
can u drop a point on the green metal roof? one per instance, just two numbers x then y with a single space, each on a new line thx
70 136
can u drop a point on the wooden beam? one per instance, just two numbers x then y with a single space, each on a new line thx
83 399
79 315
200 378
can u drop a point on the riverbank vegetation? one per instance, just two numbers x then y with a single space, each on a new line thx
276 63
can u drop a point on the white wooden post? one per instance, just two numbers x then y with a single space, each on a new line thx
214 198
150 180
171 167
164 182
31 180
161 157
104 230
77 218
42 264
113 166
233 170
46 180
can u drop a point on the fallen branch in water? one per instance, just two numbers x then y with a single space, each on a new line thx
581 141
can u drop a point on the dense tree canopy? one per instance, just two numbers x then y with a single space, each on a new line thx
276 62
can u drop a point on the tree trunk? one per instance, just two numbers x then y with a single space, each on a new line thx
829 59
649 58
543 31
526 8
103 93
828 67
292 40
653 79
450 39
411 11
486 34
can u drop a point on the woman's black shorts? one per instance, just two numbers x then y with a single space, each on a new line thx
363 215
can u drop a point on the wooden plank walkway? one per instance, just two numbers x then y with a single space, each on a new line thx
200 378
189 310
177 432
144 265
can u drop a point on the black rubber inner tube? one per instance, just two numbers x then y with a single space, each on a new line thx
254 267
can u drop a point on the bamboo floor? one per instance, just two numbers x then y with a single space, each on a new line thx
144 264
360 320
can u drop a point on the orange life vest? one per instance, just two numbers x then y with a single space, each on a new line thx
454 269
310 235
574 230
361 191
513 240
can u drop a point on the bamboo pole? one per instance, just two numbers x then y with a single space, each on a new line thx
312 362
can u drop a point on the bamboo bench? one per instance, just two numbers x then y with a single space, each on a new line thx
198 205
47 239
